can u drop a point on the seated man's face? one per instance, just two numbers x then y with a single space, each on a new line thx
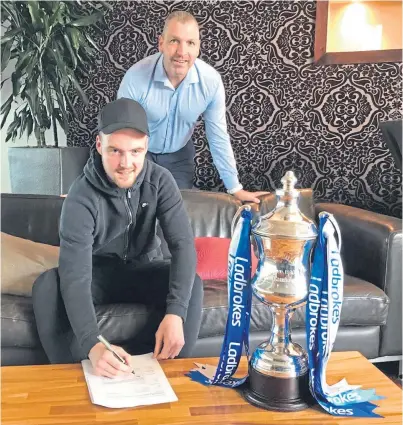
123 153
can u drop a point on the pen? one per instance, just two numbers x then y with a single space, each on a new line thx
109 348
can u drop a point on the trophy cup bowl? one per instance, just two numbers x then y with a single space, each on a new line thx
283 240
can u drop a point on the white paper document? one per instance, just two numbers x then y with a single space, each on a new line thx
148 386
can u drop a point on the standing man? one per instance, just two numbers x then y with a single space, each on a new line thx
175 88
109 251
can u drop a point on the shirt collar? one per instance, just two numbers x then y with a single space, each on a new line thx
161 76
192 76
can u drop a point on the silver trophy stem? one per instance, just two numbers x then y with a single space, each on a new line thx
280 332
279 356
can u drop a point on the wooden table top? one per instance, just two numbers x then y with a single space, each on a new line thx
58 395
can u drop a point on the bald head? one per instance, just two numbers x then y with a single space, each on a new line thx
179 16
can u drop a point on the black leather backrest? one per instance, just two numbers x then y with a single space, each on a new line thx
34 217
305 203
210 213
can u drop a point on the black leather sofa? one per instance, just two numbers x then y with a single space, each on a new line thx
371 320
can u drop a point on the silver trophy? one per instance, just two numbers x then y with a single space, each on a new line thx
283 240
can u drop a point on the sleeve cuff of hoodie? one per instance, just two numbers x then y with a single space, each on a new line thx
177 309
88 342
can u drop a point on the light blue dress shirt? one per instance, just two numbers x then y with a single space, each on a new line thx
172 113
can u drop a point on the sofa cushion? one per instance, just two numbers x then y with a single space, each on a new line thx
117 322
22 261
18 322
364 305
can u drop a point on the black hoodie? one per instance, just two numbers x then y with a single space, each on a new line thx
100 220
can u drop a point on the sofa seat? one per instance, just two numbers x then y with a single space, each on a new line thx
364 305
119 323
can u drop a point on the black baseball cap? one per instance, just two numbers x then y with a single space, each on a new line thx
122 113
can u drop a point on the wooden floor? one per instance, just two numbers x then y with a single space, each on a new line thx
57 395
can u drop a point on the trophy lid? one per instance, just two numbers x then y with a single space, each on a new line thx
286 221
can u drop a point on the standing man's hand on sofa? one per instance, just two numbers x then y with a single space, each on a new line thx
245 196
104 363
169 338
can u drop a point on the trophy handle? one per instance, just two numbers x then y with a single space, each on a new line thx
257 241
236 217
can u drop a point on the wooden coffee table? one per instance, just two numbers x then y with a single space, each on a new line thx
57 395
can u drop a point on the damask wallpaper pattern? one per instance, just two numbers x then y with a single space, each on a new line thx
283 111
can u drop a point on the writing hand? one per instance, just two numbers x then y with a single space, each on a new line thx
104 363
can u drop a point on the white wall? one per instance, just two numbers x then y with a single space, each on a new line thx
4 95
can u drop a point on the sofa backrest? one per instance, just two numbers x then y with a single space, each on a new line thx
33 217
305 203
210 213
36 217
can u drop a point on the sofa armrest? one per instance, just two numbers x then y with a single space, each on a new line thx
371 243
372 250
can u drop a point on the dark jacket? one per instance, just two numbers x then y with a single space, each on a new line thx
101 221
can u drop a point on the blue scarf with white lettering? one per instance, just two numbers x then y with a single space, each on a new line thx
322 321
239 307
323 312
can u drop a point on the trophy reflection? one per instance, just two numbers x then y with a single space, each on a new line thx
283 240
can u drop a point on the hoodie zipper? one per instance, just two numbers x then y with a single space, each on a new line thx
130 216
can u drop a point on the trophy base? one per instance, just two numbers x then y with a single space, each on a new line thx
280 394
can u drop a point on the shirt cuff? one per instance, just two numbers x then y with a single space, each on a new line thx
235 189
230 180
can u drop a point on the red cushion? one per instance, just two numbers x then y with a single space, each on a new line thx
212 257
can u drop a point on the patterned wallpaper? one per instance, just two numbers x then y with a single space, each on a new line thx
283 112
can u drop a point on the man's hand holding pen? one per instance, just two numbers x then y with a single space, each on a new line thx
106 362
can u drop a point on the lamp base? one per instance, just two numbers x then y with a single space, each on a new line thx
280 394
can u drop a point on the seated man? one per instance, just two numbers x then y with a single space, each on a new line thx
109 252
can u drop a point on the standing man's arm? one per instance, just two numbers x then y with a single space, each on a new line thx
176 228
75 271
221 149
126 88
